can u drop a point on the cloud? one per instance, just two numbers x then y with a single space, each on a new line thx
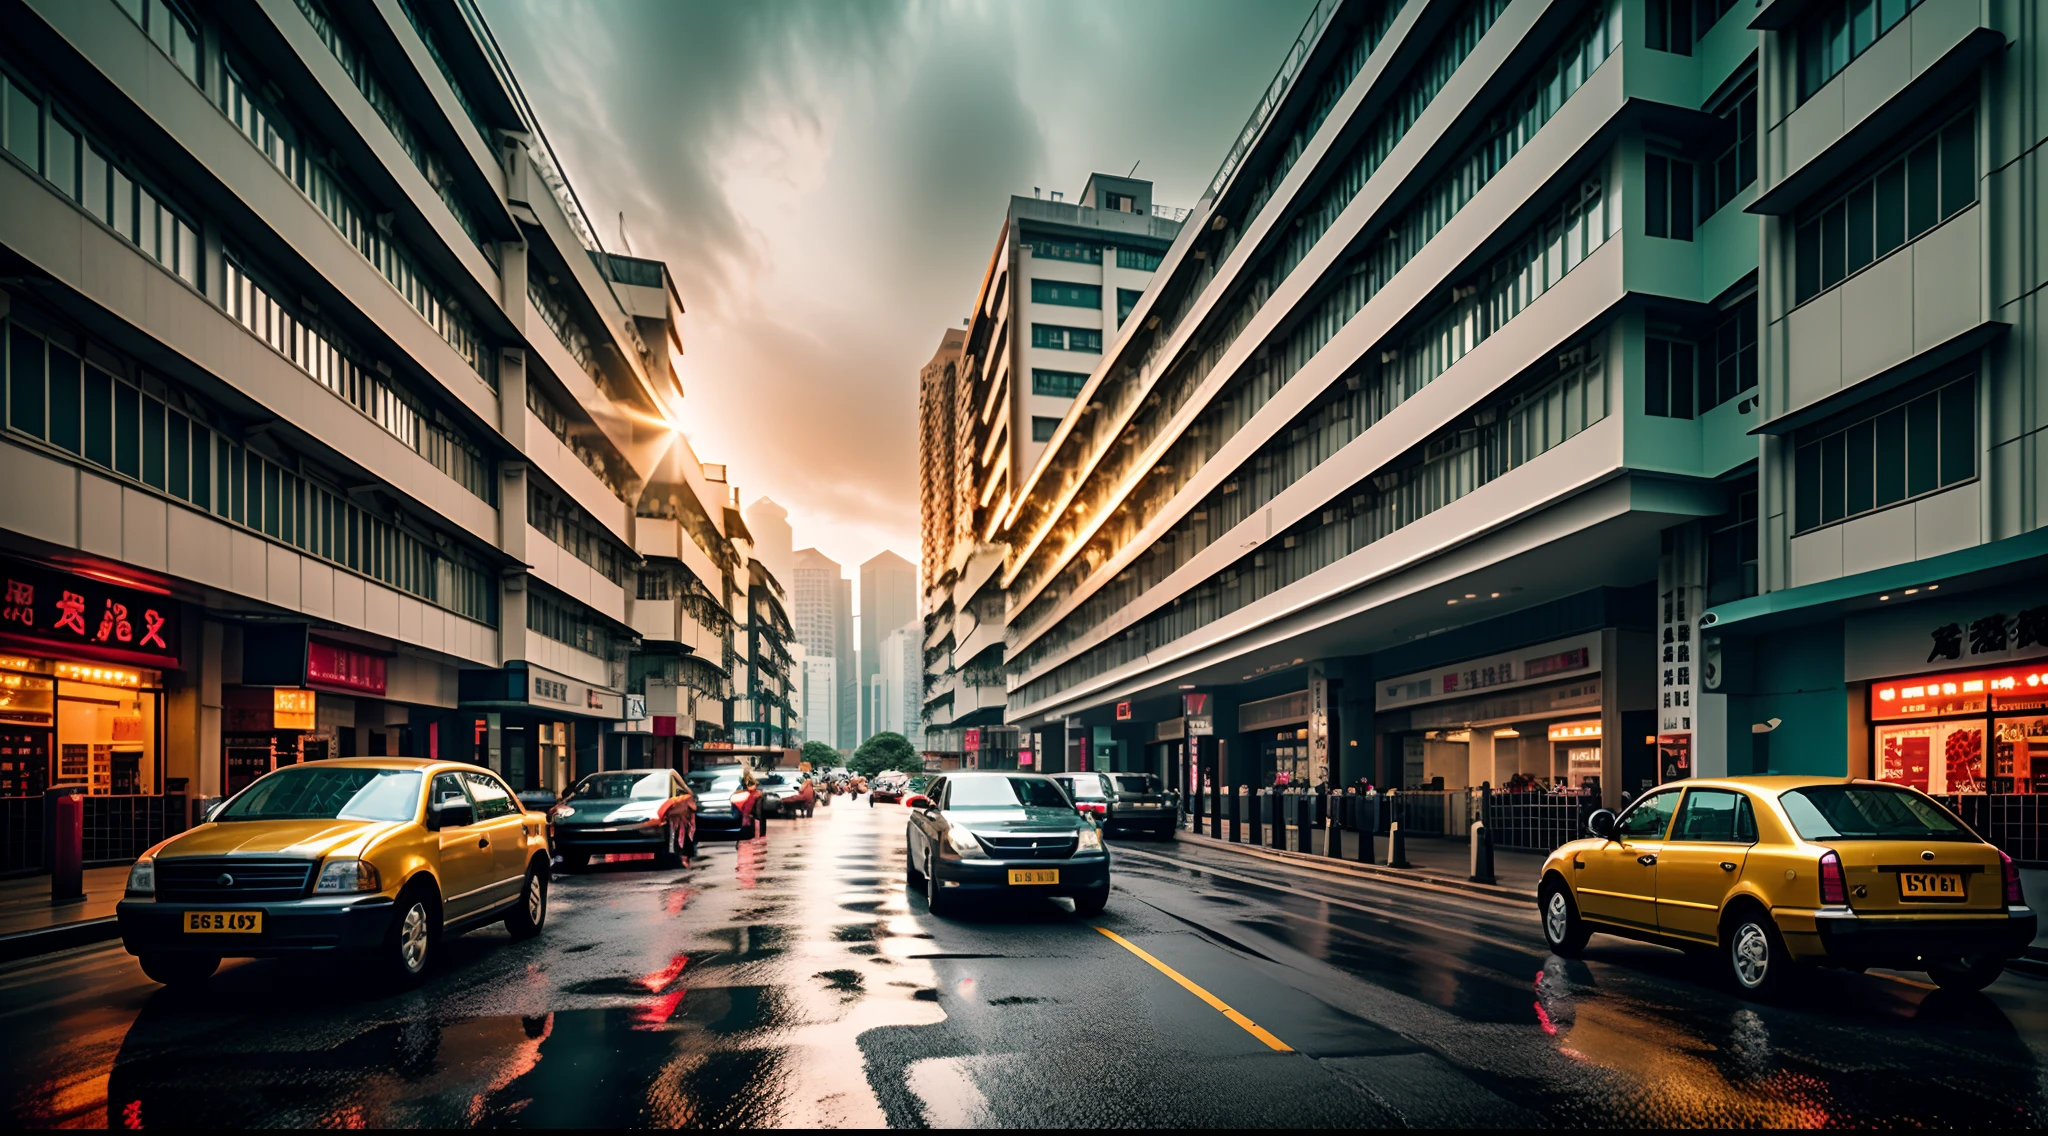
827 180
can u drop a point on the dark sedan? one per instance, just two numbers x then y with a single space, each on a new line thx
717 812
1123 802
1003 833
626 810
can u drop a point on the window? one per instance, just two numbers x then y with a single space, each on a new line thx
1675 25
1717 816
1731 357
1735 169
1895 453
1840 32
491 797
1138 259
1057 384
1930 183
173 30
1120 202
1042 427
1731 552
1668 378
1126 299
23 124
1066 338
1080 252
1667 191
1066 294
1650 816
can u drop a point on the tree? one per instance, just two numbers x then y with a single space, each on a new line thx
886 750
821 756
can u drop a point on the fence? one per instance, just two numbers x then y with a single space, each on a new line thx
117 829
2011 821
1533 822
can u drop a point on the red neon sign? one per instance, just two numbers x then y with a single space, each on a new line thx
1958 693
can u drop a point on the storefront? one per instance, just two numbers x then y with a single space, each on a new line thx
1971 731
540 728
82 664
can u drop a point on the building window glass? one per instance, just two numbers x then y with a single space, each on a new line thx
1057 384
1930 183
1080 252
1675 25
1066 338
1734 170
1066 294
1138 259
1042 427
1731 353
1667 197
1839 32
1668 378
1893 454
1126 299
1731 552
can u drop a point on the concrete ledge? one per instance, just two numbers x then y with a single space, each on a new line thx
62 937
1420 877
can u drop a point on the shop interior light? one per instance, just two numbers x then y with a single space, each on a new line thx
1450 601
1912 591
105 676
1507 732
1884 597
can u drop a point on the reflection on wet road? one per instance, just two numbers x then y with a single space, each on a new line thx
792 982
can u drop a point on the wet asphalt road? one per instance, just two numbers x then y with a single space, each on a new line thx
792 982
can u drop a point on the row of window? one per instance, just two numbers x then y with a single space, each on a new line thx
1066 294
326 356
1675 25
292 150
1043 428
566 621
171 27
1677 194
455 84
564 523
1932 182
1838 32
49 142
559 425
1126 299
1057 384
157 439
1681 379
1066 338
1889 454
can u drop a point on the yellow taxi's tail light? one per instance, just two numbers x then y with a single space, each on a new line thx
2015 895
348 876
1834 888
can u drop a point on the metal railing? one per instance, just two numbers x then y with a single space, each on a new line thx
2010 821
117 829
1532 822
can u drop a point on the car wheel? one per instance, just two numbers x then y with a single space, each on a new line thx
409 944
935 898
1968 974
576 861
1563 930
525 920
1090 904
179 969
1755 954
871 800
910 872
670 856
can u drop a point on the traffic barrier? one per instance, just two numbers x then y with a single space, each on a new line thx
1397 847
1482 853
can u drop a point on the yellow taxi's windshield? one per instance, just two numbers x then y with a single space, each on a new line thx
310 792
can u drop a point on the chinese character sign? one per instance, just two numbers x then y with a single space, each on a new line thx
1678 602
47 607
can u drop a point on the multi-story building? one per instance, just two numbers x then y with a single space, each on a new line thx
1573 393
333 428
1063 279
896 690
888 600
821 614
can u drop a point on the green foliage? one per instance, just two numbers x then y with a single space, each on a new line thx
886 750
821 756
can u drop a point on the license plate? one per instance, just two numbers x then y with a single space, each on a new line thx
1142 805
1930 885
1034 875
224 922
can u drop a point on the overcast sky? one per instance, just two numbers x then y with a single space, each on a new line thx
826 182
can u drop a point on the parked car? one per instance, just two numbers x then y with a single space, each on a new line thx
1123 802
626 810
722 806
1779 873
537 800
377 857
1003 833
889 786
784 794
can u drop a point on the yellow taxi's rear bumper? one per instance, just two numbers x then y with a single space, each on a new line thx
1842 936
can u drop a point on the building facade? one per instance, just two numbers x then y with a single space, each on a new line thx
888 600
820 612
1567 394
345 433
1063 279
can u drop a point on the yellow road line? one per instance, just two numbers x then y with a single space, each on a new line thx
1249 1026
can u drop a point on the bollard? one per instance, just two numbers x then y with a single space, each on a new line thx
1281 802
1397 847
1365 840
1482 853
1236 814
1333 832
1305 823
1255 800
1215 812
67 843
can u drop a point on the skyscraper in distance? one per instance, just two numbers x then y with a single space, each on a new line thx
888 600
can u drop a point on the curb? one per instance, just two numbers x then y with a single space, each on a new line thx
1412 876
62 937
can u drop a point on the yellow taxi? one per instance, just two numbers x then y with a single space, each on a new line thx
1778 873
374 857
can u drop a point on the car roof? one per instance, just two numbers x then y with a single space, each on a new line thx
978 773
387 763
635 772
1767 783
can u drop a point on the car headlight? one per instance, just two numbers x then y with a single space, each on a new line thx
142 877
561 812
963 842
348 876
1091 840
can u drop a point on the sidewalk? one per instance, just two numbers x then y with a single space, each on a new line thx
1440 861
31 925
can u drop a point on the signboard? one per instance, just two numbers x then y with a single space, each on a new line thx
1961 692
338 668
636 707
1976 629
293 709
83 615
550 689
1201 725
1123 711
1544 662
1318 727
1588 730
1193 704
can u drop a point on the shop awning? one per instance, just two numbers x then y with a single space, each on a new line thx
2002 561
